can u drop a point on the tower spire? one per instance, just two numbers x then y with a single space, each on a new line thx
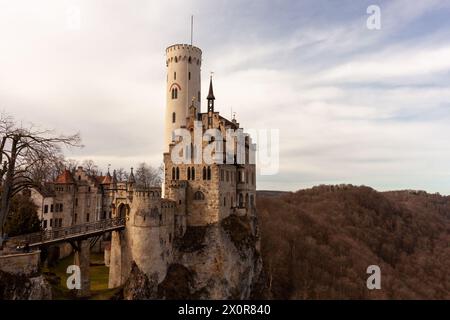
211 97
211 93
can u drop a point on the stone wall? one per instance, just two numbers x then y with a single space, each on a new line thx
22 263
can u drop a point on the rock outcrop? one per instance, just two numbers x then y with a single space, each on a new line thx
218 261
23 287
139 286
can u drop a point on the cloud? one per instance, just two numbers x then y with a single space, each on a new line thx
352 105
394 64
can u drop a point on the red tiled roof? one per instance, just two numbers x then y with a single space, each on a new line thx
107 179
65 178
103 179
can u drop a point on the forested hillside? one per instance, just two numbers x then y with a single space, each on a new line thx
318 243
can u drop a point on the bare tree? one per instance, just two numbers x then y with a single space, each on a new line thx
71 164
121 174
148 176
90 167
25 153
45 171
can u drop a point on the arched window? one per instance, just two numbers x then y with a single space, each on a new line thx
188 173
199 196
204 173
178 173
189 75
176 59
173 173
190 60
241 200
209 173
174 117
174 76
174 93
193 174
224 201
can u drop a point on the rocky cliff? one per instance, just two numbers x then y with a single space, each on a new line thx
22 287
218 261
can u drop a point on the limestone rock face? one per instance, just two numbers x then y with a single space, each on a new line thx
223 259
139 286
217 261
21 287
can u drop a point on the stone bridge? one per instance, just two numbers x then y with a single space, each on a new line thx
79 237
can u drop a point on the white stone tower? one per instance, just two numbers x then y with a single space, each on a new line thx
183 63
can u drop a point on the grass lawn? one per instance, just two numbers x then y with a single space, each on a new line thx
98 274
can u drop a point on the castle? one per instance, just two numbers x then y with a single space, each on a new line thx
196 191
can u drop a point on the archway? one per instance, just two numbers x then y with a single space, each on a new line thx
123 210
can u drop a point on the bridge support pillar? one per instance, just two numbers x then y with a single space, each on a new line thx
116 257
82 259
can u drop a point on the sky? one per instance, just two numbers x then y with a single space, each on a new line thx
352 104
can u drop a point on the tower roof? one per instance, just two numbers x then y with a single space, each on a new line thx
211 93
131 178
65 178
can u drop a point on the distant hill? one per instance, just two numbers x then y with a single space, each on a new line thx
271 193
317 243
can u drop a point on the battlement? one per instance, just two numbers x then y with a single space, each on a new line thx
177 184
179 46
183 53
153 193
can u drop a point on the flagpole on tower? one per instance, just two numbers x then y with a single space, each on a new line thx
192 29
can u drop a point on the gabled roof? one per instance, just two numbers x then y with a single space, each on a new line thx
104 179
65 178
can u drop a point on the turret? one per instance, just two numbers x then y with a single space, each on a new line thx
131 178
114 180
183 84
210 99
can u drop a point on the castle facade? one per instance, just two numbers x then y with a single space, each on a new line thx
197 190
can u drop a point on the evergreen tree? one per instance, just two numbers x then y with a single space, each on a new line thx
23 217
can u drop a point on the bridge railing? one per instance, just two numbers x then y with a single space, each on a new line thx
69 232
